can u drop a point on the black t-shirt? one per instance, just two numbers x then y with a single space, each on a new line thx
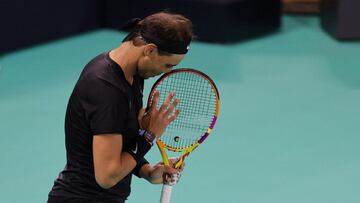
101 102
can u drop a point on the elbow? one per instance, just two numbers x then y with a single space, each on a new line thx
105 182
107 175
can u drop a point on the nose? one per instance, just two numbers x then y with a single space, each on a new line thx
168 70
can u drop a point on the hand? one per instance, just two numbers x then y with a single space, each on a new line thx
170 176
156 120
166 174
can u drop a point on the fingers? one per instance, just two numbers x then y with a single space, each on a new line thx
177 163
171 178
141 114
168 108
166 103
170 174
169 169
154 102
174 116
174 160
159 119
172 107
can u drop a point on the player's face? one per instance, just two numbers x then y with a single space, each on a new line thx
156 64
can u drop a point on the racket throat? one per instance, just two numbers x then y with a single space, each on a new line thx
163 154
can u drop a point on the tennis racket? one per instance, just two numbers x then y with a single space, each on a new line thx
199 108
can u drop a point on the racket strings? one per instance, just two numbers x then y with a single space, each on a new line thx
197 107
187 97
189 94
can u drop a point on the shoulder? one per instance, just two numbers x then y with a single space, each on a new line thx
101 74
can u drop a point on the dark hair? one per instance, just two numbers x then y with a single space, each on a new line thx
171 33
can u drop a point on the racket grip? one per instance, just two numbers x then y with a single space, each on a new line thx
166 193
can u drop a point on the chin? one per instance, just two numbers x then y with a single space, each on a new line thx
146 76
151 76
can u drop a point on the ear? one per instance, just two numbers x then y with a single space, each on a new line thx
150 50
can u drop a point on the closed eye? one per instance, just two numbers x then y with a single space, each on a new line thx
170 65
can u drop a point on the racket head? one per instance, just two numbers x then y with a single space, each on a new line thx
199 107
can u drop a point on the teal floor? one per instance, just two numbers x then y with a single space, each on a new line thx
288 131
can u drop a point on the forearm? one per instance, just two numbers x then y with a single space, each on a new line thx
144 172
111 163
126 165
148 172
115 172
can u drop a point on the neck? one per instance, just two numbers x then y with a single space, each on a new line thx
126 57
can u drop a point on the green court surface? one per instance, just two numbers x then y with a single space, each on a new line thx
288 129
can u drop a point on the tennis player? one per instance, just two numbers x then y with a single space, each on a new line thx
107 132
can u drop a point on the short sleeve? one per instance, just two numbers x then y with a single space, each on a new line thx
105 106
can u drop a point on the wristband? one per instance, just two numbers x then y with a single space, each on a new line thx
141 147
139 165
149 137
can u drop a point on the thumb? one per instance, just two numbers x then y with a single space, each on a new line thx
170 170
141 114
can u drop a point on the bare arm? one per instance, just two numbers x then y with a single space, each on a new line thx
110 164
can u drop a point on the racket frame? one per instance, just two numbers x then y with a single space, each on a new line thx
187 150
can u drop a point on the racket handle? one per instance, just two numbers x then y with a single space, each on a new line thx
166 193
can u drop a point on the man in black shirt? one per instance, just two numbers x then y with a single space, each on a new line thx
105 115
